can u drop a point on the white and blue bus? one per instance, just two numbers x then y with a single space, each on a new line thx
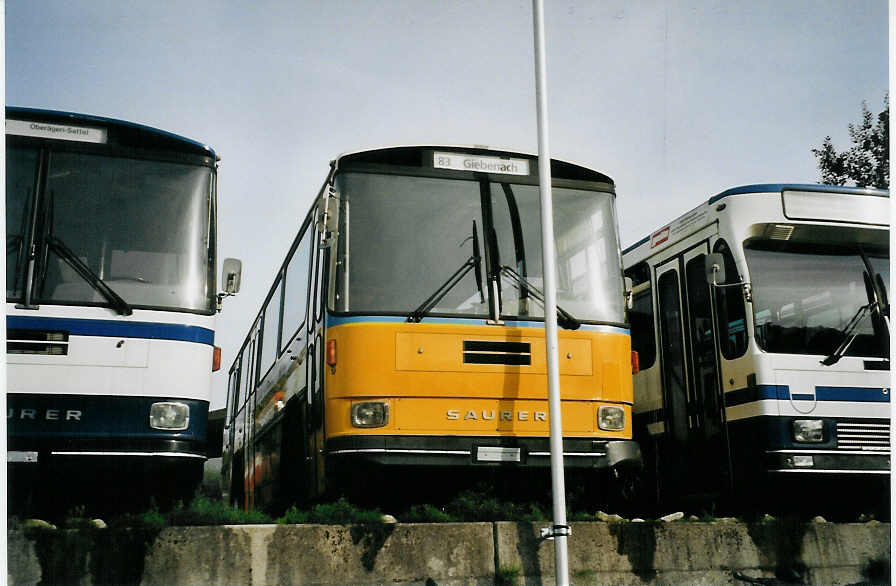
110 303
761 323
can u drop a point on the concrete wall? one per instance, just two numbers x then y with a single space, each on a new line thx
616 554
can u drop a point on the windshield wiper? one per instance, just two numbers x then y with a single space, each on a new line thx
472 263
80 267
848 334
564 319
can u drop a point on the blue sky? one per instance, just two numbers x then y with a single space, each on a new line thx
674 100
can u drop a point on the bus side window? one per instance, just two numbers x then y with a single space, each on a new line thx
641 315
271 330
730 309
296 293
232 388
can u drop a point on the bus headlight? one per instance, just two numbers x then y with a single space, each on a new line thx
610 418
370 414
170 416
808 430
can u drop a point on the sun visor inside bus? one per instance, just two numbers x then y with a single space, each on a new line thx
788 235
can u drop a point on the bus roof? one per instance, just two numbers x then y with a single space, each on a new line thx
411 155
161 138
773 187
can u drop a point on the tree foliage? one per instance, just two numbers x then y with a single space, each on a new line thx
867 162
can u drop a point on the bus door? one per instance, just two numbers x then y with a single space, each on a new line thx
706 405
690 375
238 462
249 425
314 424
674 378
229 447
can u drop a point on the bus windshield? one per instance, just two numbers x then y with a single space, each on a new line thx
403 237
142 227
803 299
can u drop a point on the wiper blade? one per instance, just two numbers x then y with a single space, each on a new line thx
470 264
80 267
564 319
848 335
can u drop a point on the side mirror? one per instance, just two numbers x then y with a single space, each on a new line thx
231 273
715 268
629 294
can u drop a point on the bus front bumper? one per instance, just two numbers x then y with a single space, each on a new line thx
827 462
482 451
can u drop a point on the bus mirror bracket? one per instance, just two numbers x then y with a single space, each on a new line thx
231 274
715 275
327 221
715 269
629 293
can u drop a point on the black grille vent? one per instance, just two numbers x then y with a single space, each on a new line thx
854 435
43 342
485 352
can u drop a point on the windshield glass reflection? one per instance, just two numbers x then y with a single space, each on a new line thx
142 227
402 238
802 301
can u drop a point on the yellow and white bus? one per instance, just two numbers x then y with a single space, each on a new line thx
405 329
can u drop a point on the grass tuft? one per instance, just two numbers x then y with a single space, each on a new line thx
507 576
340 512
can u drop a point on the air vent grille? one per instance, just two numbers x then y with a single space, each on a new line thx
42 342
487 352
863 436
780 232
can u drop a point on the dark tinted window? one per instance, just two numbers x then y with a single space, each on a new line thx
640 316
731 311
21 173
672 337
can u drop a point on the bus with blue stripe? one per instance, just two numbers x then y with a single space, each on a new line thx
404 332
111 305
761 323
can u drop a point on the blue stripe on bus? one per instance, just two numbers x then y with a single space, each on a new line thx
336 320
111 328
636 244
782 392
757 393
859 394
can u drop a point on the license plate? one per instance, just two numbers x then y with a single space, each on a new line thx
494 454
21 457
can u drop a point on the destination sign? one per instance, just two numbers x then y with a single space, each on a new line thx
56 131
462 162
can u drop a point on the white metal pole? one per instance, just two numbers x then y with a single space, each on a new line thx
559 530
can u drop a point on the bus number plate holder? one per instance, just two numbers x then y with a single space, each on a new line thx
496 454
